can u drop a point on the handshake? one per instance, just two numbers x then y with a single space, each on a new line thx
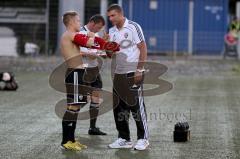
94 42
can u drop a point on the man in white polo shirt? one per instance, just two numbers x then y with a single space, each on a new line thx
128 79
92 75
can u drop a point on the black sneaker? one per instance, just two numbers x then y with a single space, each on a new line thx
96 131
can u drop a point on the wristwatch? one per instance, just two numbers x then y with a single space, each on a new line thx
141 70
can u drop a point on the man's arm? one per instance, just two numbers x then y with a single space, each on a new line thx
83 40
143 54
141 44
138 77
89 55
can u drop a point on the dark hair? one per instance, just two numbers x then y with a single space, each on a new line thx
67 16
97 19
115 7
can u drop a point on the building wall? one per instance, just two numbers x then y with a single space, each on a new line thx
210 25
166 24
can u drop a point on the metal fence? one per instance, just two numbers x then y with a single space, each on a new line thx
169 42
32 22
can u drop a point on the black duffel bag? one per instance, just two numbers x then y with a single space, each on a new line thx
181 132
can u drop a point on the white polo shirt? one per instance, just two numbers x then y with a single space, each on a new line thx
128 37
86 60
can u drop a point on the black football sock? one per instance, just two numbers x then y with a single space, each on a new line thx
93 111
69 125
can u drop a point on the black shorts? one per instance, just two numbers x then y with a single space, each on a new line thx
76 92
80 83
93 78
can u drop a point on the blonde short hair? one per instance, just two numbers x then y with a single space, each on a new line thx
67 16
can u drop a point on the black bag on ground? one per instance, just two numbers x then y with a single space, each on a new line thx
9 84
181 132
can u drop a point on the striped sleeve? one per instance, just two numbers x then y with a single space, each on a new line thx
138 33
83 29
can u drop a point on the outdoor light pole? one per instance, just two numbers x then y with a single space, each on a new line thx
47 28
190 27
